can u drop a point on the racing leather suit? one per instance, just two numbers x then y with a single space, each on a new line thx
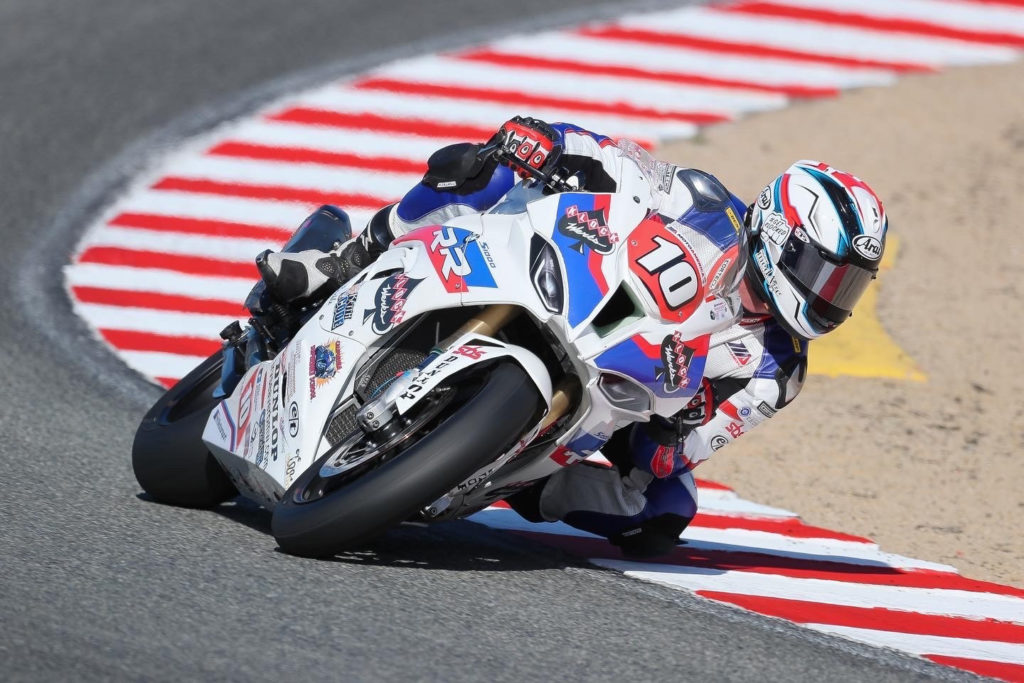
753 368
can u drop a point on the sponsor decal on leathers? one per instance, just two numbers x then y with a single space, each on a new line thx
675 359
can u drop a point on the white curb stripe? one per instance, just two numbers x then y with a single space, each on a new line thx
815 37
767 71
930 645
587 88
921 600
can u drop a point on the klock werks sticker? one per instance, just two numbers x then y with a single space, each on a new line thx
389 302
676 356
589 228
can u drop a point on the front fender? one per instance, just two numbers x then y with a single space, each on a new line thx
469 350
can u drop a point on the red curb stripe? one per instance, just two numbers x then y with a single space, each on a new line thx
875 23
305 155
744 49
788 526
198 226
877 618
194 265
571 66
159 302
1008 3
128 340
167 382
779 565
418 127
272 192
532 100
982 667
384 124
706 484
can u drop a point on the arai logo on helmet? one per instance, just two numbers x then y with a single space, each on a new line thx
867 246
764 200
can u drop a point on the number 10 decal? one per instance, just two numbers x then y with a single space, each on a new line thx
667 269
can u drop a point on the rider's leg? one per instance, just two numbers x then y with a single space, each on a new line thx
642 514
311 274
457 182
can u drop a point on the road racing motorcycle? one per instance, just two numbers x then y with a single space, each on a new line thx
469 361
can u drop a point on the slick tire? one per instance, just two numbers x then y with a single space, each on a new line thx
474 432
170 461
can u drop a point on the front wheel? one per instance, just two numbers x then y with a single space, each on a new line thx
169 458
330 508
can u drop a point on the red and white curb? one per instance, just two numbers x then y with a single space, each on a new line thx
167 265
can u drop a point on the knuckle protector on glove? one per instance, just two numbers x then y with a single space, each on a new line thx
530 142
700 408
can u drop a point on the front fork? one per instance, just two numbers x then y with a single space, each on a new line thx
374 417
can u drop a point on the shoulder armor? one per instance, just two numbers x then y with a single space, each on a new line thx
708 193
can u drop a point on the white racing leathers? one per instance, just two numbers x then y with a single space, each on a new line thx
754 368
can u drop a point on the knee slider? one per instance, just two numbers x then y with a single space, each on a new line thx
652 538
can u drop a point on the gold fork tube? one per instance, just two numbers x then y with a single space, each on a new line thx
561 402
487 322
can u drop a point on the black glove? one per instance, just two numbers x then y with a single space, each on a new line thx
700 408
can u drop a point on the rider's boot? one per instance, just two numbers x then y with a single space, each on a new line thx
310 275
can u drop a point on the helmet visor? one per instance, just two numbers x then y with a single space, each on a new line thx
830 287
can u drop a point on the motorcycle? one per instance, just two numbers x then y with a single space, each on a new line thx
469 361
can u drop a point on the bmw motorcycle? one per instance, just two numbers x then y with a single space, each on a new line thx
471 360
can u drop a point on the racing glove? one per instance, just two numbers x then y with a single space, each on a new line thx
530 146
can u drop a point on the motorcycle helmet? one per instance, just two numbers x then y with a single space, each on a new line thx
816 240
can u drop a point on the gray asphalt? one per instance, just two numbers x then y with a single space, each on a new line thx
98 583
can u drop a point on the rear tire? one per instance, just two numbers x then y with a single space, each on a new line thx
170 460
472 435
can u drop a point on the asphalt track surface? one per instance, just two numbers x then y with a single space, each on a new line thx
98 583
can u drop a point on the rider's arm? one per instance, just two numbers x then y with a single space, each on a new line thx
466 178
753 375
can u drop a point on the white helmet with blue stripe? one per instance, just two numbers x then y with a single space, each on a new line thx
816 240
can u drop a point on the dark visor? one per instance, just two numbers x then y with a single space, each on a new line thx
831 288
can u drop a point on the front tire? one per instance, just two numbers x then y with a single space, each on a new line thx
472 435
170 460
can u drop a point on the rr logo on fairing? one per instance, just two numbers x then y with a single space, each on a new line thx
446 243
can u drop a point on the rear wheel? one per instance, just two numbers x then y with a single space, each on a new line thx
169 458
362 488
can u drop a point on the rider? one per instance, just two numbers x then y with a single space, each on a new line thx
815 240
